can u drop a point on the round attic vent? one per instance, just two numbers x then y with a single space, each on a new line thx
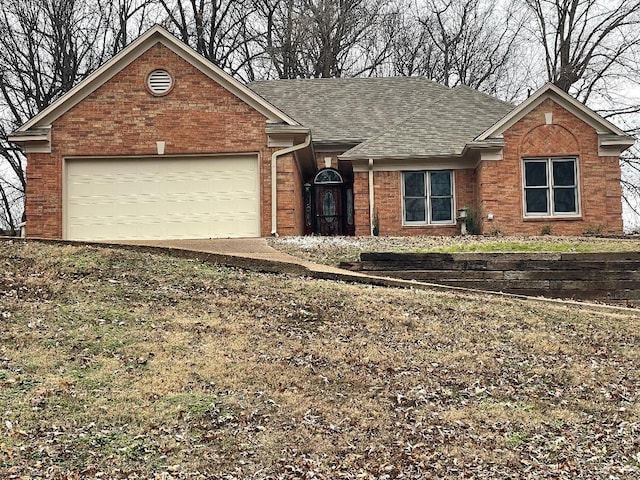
159 82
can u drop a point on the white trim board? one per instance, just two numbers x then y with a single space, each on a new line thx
125 57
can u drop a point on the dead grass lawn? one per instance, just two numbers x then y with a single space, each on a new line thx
116 364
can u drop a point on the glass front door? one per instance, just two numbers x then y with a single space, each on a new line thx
329 210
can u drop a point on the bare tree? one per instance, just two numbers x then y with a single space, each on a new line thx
475 42
460 42
412 51
12 183
591 49
326 38
220 30
126 20
46 47
284 36
587 43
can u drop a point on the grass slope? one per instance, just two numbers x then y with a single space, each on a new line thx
116 364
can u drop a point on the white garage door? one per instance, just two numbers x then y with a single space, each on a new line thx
129 199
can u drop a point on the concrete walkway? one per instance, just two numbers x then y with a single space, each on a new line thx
256 254
237 249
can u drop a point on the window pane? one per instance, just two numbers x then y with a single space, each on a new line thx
536 200
414 210
440 184
349 207
535 174
564 173
564 200
440 209
414 184
328 204
328 176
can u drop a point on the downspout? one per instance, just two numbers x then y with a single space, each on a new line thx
274 179
371 197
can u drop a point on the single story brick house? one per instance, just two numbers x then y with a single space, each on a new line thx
159 143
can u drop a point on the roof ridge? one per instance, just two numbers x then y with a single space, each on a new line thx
349 79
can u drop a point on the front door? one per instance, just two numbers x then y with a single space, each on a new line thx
329 204
328 201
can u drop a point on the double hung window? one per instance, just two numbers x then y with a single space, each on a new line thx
427 197
550 187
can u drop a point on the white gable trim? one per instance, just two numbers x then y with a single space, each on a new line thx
550 91
126 56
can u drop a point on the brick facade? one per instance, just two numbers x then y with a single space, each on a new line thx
496 187
361 203
200 117
387 188
290 198
121 118
500 183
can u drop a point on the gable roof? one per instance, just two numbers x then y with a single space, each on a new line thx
349 110
550 91
151 37
442 127
413 117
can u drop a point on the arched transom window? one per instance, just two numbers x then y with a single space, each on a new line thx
328 175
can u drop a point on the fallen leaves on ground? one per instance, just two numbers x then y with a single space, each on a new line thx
117 364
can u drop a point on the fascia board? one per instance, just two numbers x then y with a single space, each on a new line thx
36 140
287 129
550 91
21 138
128 55
386 164
398 157
626 141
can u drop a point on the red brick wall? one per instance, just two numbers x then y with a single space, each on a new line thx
290 198
121 118
44 196
388 203
361 203
500 182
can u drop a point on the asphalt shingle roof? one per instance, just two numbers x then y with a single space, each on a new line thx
441 128
387 116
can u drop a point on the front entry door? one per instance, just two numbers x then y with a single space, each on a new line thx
328 201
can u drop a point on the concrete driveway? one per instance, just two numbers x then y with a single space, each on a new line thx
256 249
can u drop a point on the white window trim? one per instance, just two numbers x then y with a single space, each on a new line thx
550 213
428 221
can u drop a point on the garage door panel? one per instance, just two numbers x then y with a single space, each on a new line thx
162 198
189 185
246 206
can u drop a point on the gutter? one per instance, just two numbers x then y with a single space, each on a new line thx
274 179
371 198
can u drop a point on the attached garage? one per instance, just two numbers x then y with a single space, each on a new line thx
162 198
159 143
